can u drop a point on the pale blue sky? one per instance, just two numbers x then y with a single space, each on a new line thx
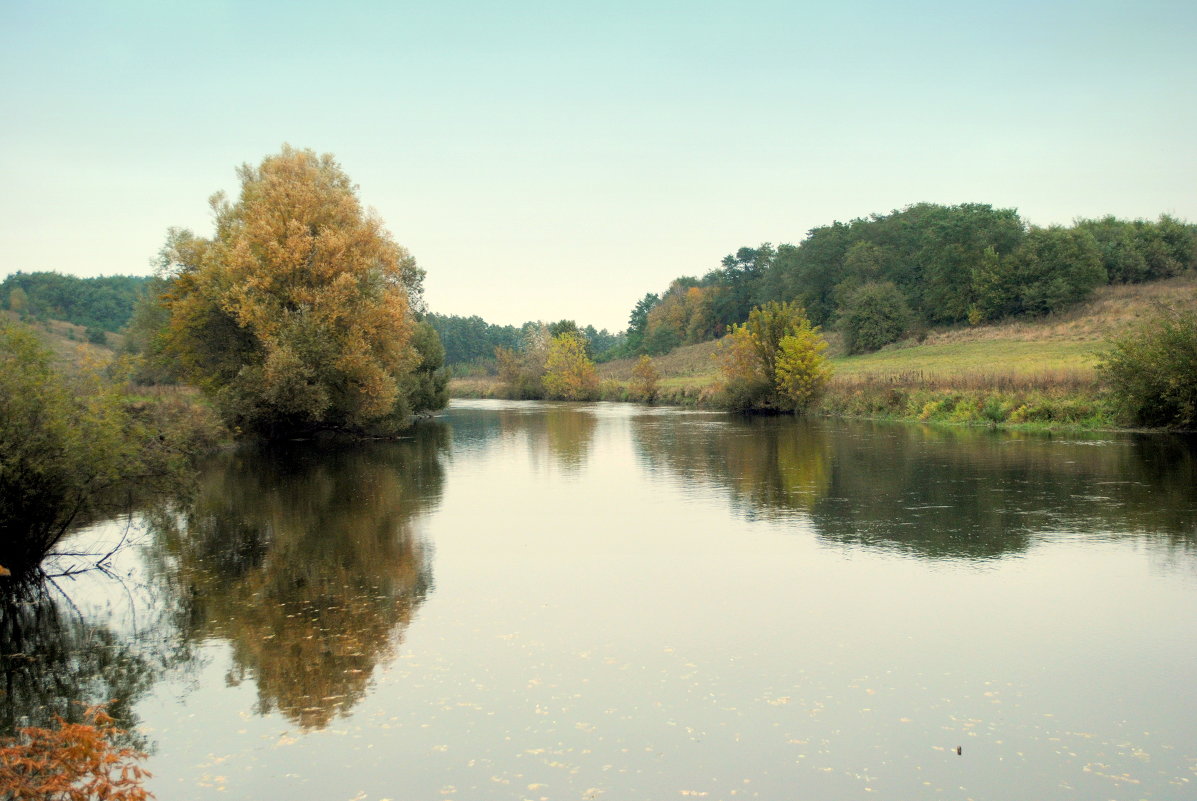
553 159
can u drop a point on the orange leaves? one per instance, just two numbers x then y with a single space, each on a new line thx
297 315
73 762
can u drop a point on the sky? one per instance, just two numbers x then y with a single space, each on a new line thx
558 160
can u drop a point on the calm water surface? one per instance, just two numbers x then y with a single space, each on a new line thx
540 601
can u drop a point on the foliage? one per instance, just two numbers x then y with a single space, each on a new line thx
638 325
773 362
1052 268
802 370
298 314
645 380
103 303
569 373
471 339
1152 371
72 762
68 443
873 316
684 315
522 371
950 264
426 386
1139 250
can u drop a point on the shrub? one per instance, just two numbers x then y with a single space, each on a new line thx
67 443
774 362
1152 371
802 369
645 380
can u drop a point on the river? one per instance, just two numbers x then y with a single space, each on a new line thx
607 601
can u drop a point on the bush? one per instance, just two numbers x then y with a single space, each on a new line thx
569 373
1152 371
774 362
645 380
67 443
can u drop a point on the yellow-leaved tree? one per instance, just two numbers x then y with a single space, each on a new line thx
299 313
569 372
775 361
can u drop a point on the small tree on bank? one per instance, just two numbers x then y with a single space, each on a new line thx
569 373
774 362
645 380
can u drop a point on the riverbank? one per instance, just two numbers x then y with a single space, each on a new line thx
1035 373
1045 406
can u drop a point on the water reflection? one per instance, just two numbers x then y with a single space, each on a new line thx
304 558
563 431
935 492
771 469
56 661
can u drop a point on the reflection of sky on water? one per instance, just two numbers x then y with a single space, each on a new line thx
635 603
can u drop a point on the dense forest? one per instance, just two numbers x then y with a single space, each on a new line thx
472 340
104 303
879 278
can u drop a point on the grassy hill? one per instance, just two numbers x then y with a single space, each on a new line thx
1062 346
69 342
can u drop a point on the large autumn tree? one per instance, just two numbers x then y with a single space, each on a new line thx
297 315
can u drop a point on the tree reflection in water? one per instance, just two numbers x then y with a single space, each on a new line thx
564 431
936 492
304 558
56 661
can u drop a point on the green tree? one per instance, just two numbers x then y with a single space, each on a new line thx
298 314
874 315
18 300
67 443
1152 371
1054 267
569 373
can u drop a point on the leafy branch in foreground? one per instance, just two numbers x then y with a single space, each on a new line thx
72 762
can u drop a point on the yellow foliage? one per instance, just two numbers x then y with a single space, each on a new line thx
738 357
569 372
802 369
645 379
297 313
73 762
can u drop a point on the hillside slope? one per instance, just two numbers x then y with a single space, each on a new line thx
1063 346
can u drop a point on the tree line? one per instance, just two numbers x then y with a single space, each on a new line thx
879 278
471 341
104 303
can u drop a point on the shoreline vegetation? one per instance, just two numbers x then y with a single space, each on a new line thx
299 316
1028 373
